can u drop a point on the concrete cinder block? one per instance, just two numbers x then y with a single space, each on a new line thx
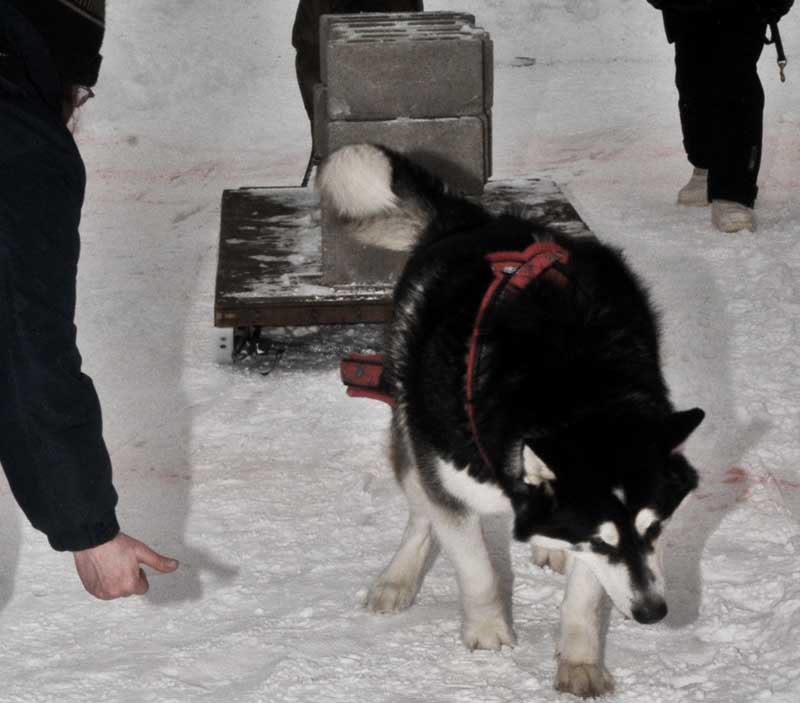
348 261
431 78
387 20
406 68
318 128
456 149
488 74
418 83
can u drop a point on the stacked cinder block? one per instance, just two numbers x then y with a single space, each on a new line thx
419 83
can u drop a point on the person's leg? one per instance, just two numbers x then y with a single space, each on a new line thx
692 74
737 108
692 77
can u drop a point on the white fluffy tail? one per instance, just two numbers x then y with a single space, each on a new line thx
356 182
355 186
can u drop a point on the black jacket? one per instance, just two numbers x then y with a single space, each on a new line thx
770 8
51 444
680 15
305 34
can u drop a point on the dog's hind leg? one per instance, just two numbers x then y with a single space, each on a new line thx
397 586
580 667
485 623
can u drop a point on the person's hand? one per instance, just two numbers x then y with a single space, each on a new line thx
112 570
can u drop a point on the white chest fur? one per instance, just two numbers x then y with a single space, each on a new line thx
483 498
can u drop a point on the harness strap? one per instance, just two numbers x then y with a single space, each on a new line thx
513 272
363 376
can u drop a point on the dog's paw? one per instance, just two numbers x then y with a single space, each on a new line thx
389 597
584 680
556 559
488 633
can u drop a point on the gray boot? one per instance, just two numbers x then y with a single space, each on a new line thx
695 192
729 216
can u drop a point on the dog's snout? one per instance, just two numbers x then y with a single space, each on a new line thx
650 611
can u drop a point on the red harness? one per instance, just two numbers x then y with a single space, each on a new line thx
513 272
363 376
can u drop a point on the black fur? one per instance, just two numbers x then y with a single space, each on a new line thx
573 372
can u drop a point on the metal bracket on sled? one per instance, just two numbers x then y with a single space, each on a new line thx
247 344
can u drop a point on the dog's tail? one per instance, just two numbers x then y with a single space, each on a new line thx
385 200
356 182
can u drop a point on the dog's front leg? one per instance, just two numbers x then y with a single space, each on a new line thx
580 667
485 623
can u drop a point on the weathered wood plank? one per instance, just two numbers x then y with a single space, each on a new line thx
269 264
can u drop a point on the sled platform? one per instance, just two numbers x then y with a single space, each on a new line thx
269 270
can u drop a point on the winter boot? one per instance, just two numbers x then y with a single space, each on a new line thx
729 216
695 192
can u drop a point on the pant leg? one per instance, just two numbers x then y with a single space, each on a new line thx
693 74
737 113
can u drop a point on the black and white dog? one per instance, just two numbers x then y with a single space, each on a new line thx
525 369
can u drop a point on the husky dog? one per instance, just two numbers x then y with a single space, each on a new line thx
548 402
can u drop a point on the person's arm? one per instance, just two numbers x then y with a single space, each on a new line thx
51 439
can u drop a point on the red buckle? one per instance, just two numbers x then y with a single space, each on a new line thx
526 266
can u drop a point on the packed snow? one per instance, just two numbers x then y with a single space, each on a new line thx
274 491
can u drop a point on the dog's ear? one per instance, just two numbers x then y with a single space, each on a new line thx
679 479
536 472
679 426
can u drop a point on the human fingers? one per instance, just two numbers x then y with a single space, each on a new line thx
153 559
142 586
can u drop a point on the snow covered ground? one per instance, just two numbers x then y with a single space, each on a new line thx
274 492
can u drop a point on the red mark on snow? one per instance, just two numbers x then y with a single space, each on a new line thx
198 171
724 492
736 486
736 474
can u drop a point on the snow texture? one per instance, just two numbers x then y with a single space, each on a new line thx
274 492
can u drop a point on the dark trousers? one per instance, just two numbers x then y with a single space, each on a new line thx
721 103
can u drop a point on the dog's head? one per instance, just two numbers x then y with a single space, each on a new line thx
607 503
